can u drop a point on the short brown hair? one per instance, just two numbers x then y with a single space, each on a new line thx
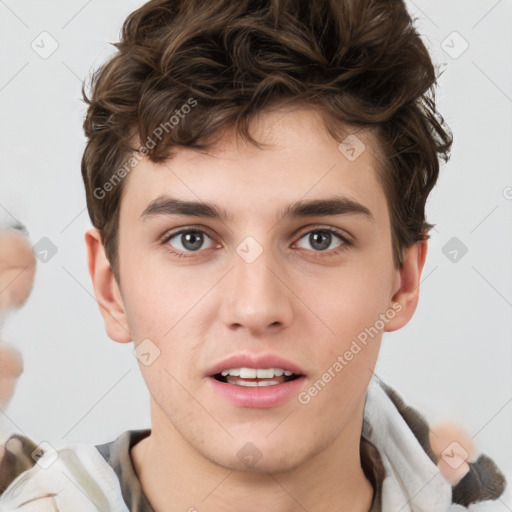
360 63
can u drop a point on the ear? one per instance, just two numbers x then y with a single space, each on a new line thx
405 298
106 289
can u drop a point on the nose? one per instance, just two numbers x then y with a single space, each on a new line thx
255 295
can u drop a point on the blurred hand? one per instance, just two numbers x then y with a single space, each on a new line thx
17 269
454 449
11 367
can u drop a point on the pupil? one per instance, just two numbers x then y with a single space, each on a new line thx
192 241
313 238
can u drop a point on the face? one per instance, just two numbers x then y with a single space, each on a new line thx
260 279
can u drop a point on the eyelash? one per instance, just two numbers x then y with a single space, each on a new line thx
346 243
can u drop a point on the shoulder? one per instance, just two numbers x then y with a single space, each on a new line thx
412 467
17 456
75 477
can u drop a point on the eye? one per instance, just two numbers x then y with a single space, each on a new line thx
187 240
323 239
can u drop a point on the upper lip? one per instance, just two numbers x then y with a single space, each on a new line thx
248 360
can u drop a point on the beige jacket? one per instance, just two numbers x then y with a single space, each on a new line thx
396 457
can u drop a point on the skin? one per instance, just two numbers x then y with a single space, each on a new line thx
294 300
17 271
454 449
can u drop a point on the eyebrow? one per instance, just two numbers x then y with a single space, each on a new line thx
336 205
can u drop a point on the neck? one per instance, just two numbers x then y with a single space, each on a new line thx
169 468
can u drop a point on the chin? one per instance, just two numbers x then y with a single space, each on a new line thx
256 461
253 454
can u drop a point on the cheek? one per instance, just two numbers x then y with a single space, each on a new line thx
170 312
352 298
154 299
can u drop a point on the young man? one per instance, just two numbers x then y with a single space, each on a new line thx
256 174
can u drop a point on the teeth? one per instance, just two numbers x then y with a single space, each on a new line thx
253 373
254 384
268 383
265 374
248 373
249 383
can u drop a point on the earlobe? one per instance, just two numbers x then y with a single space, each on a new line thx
405 299
106 289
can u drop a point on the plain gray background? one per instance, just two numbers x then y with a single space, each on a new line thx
452 361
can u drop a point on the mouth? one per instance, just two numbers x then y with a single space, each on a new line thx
255 377
256 380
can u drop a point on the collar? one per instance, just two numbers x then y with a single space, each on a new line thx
396 457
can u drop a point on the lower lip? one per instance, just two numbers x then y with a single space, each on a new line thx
260 396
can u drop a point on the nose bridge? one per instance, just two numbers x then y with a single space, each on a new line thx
255 297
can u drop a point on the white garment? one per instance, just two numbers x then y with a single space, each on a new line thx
413 483
80 480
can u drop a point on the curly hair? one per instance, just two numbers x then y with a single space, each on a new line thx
221 62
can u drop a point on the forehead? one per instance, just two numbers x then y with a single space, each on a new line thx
299 160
